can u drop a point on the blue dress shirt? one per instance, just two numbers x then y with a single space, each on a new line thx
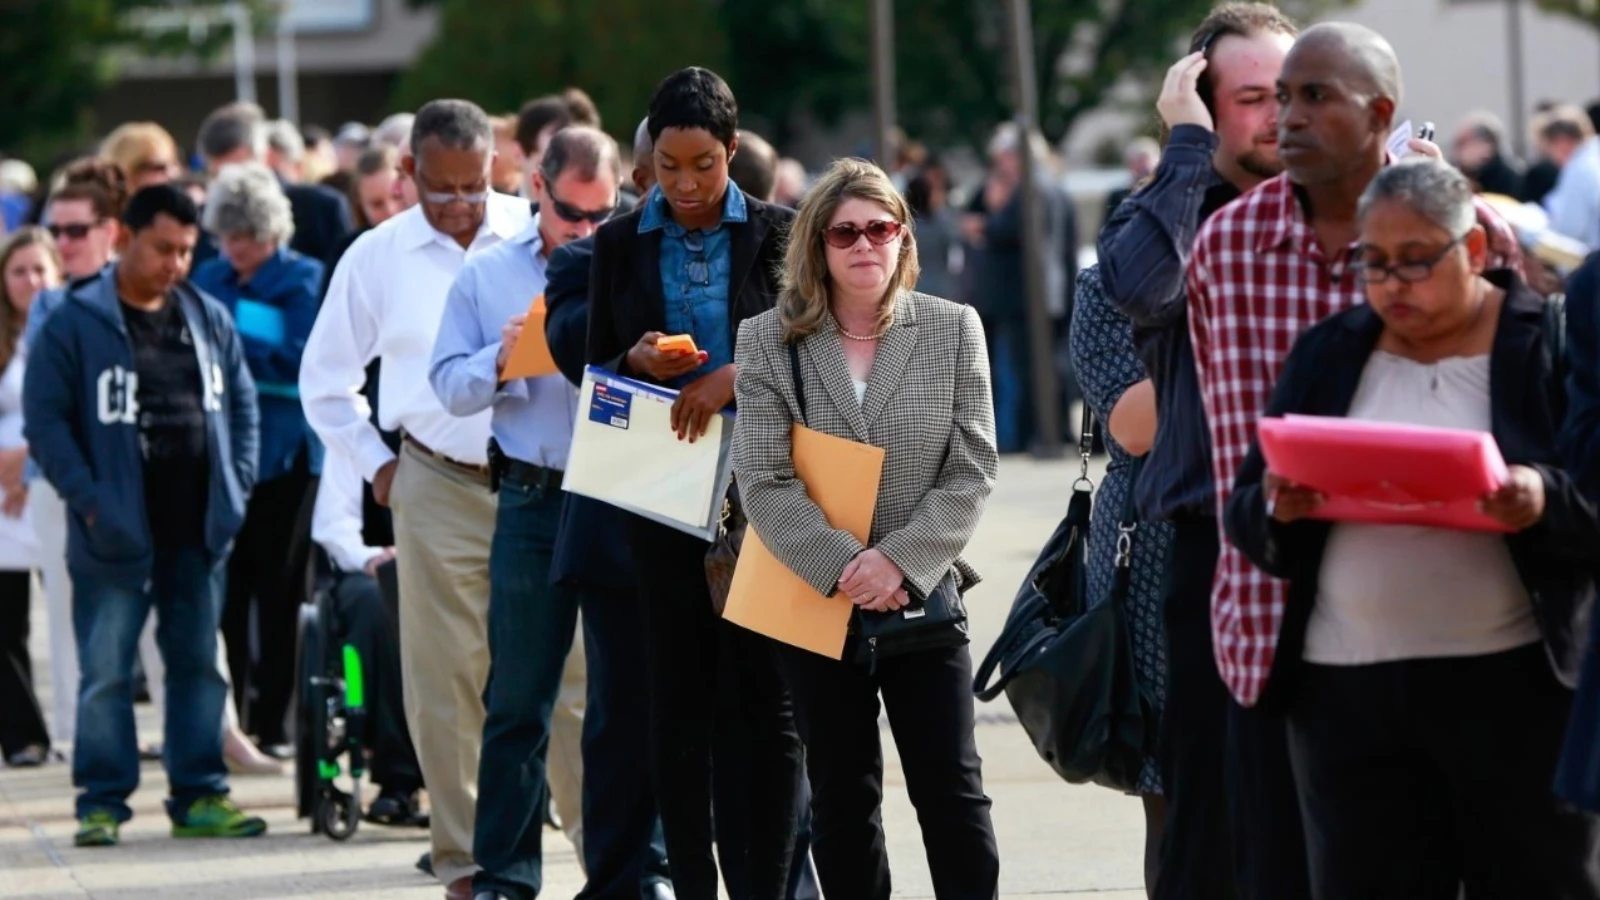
533 417
696 267
274 312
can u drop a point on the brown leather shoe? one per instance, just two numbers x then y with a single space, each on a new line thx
460 889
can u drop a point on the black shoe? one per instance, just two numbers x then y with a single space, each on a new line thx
396 808
151 752
425 864
281 751
28 757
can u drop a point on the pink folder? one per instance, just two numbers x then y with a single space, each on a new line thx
1386 473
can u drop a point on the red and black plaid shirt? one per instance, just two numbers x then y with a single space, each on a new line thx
1257 280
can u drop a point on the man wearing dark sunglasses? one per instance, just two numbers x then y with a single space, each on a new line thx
531 621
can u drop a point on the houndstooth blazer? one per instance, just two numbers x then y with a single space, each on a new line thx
928 405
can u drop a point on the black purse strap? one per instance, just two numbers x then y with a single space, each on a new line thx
794 372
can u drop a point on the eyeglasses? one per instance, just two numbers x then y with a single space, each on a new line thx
1412 272
569 213
479 194
77 231
844 235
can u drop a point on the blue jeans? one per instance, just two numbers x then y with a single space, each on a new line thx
1013 385
107 618
531 628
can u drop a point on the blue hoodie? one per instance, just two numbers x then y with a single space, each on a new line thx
82 426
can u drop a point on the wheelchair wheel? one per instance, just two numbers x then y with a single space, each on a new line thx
311 716
338 814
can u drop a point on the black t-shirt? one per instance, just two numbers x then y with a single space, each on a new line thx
172 423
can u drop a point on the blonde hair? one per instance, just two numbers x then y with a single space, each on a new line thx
806 285
13 320
133 144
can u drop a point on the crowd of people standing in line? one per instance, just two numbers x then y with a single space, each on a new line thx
194 393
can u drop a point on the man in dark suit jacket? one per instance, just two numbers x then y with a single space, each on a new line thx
238 133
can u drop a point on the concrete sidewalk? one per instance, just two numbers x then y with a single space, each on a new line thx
1056 840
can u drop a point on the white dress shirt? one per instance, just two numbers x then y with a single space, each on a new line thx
336 516
384 302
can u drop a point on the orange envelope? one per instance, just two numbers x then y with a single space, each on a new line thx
530 358
842 477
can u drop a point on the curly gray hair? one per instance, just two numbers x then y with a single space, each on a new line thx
246 199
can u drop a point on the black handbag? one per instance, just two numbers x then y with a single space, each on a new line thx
930 622
1067 666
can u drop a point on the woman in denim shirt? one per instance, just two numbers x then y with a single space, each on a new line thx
272 292
698 257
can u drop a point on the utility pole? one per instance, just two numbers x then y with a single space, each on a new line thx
288 69
883 103
1046 403
244 53
1519 98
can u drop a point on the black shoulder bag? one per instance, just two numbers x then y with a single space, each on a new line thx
930 622
1066 665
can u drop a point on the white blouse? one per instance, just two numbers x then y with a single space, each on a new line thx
1393 592
19 548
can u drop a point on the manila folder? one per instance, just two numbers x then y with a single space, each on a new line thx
530 355
842 477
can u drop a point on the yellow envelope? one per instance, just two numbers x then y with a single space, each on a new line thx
842 478
530 358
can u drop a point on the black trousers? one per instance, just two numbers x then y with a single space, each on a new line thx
1196 861
369 621
1419 778
683 643
21 721
1269 848
267 581
929 699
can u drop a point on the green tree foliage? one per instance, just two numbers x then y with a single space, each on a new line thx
1585 11
58 54
793 61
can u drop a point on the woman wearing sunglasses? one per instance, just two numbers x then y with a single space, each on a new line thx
698 257
878 364
1433 682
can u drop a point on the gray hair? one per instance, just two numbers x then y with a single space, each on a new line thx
1431 188
395 131
583 150
456 124
230 127
246 199
283 137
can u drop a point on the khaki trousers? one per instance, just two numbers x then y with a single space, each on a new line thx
443 524
564 768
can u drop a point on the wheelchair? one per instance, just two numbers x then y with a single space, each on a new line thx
330 760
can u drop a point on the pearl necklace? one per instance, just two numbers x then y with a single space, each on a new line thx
862 337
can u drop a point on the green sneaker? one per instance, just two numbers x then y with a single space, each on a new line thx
217 817
97 829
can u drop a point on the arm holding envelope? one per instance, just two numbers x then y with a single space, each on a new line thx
947 515
764 469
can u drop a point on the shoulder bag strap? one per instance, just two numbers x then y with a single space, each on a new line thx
794 372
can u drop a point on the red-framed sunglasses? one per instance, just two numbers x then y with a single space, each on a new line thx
844 235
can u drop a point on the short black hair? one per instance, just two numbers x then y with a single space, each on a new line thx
570 107
695 98
457 124
157 200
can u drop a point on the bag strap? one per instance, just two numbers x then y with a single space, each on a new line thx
1554 327
794 372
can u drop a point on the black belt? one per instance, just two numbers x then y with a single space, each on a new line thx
527 475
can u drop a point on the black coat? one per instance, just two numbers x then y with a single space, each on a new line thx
590 551
626 298
1555 558
321 219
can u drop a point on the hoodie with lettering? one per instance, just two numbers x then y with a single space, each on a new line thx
81 420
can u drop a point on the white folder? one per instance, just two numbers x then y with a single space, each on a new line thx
625 453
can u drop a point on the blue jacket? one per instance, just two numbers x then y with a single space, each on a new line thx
82 426
280 306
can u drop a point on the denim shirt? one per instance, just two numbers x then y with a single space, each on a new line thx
696 268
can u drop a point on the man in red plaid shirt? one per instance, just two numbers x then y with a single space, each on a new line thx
1263 270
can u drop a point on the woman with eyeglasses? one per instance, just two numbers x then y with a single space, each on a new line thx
853 351
1433 680
698 257
29 263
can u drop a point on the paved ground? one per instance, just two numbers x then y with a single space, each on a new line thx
1056 840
